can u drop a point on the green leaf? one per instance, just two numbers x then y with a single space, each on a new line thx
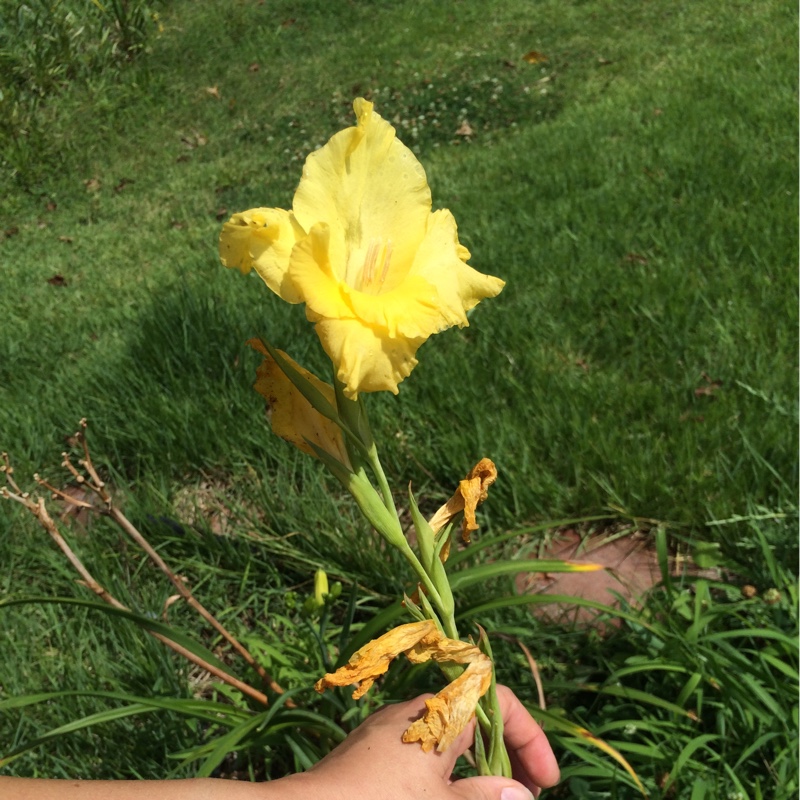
305 758
208 710
425 537
647 667
754 633
227 742
581 734
686 753
76 725
662 552
755 689
638 695
303 385
755 746
489 542
707 555
544 599
700 788
781 666
485 572
689 688
367 498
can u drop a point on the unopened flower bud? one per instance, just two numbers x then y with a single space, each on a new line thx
320 586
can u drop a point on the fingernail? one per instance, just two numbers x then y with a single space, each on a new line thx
515 793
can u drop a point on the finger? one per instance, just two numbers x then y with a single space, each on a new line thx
490 789
527 744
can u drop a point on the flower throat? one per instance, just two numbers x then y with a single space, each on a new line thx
376 265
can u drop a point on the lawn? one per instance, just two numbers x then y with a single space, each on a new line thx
634 183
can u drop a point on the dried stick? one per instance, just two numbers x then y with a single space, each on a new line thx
535 672
534 667
38 509
97 486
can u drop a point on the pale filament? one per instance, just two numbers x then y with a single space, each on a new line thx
369 261
387 257
368 271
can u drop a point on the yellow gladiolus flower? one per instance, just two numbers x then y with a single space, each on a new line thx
378 271
446 714
292 417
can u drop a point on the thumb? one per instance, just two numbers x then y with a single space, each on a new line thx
489 788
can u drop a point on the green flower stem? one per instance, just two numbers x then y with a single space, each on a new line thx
431 576
450 629
353 414
380 475
424 578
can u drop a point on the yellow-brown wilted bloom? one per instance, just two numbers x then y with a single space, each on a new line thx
471 492
446 714
292 417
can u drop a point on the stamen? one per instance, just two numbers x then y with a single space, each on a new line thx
387 257
369 261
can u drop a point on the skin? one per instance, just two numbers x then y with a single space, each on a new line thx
372 762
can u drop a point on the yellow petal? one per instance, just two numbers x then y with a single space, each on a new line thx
367 359
262 238
440 260
313 275
292 417
471 492
411 310
368 187
446 714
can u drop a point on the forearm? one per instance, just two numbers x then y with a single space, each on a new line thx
290 788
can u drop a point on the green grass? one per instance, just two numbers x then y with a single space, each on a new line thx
636 191
641 211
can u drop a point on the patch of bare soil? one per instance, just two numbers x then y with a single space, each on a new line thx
630 571
208 503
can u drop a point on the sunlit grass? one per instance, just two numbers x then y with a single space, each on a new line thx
636 198
636 190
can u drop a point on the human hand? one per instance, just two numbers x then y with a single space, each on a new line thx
374 763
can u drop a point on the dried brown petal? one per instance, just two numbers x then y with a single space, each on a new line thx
374 658
449 712
292 417
471 492
446 714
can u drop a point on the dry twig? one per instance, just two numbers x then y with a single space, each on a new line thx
98 488
36 506
534 667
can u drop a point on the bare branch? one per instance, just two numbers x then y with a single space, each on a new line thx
98 487
39 510
67 498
